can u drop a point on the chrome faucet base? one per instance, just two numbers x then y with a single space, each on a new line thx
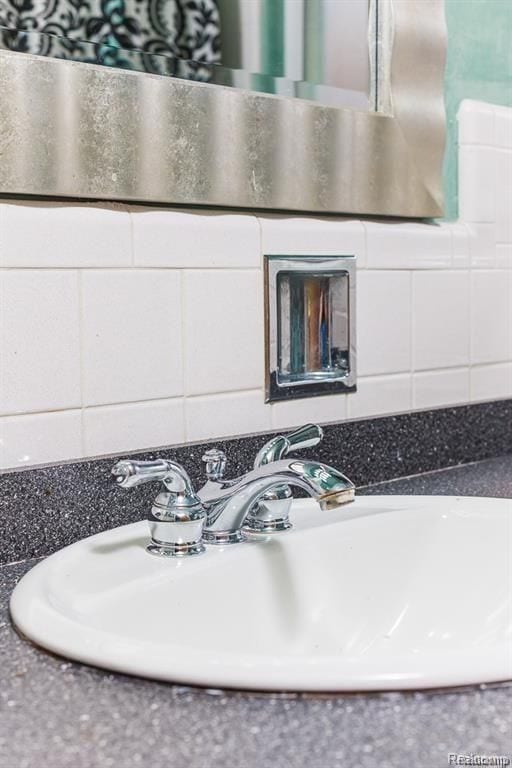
270 526
271 514
223 537
175 550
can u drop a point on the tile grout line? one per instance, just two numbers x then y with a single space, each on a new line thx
132 238
81 336
184 351
412 337
470 330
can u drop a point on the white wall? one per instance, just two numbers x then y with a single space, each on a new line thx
125 327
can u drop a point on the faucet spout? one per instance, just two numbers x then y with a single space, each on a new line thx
227 504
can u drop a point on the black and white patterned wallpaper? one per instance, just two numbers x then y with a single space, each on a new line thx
135 34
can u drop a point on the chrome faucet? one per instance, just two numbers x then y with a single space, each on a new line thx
272 512
222 511
177 516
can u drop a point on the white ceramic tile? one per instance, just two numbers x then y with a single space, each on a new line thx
482 245
490 382
491 316
132 335
509 272
320 410
236 413
223 321
380 395
167 238
476 123
407 245
133 426
503 127
461 256
303 236
46 234
504 197
439 388
39 438
504 256
383 322
39 341
477 184
440 319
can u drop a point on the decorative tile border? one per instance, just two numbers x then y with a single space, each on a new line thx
44 509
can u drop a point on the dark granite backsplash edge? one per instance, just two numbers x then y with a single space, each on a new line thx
43 509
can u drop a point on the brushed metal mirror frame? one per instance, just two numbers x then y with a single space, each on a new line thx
70 129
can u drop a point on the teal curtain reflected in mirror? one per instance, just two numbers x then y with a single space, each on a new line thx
281 43
314 49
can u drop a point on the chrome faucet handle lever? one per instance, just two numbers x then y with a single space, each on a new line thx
177 516
271 513
215 461
280 446
305 437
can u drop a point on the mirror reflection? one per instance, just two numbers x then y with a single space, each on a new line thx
313 49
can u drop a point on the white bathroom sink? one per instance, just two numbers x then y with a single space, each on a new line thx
389 592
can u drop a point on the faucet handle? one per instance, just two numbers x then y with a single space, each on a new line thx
177 516
129 474
271 512
215 461
304 437
279 447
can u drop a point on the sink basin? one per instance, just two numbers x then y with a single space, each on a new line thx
389 592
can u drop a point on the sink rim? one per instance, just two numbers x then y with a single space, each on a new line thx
32 613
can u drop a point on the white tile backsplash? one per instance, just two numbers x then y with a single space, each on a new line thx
128 327
461 254
477 123
491 316
46 234
383 322
477 177
504 196
436 388
301 235
380 394
131 335
39 341
40 438
294 413
188 239
133 426
482 245
226 415
490 382
503 127
399 245
504 256
440 319
223 322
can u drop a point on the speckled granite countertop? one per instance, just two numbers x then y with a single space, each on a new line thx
57 714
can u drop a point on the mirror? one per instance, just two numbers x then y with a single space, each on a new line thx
325 124
314 49
311 49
